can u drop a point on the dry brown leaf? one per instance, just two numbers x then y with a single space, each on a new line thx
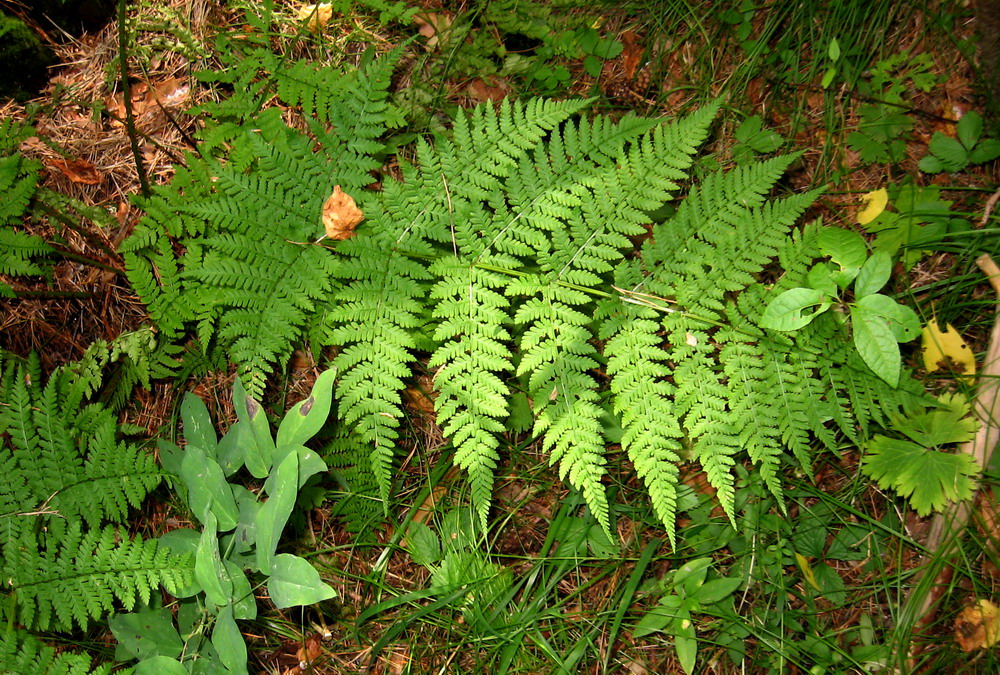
310 651
631 53
78 170
171 92
976 626
432 24
490 88
340 215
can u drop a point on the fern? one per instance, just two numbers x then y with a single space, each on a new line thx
250 282
21 652
19 252
66 475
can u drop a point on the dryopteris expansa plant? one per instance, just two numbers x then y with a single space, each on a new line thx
504 251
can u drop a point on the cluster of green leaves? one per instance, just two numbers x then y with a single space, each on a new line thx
69 483
20 253
950 154
240 534
882 132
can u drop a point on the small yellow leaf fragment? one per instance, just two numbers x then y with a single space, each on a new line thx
317 16
807 571
875 203
340 215
976 626
946 349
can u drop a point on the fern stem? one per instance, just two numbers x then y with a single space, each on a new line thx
76 227
127 96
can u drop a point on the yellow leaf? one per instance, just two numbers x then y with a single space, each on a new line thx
875 205
340 215
807 571
317 16
946 349
976 626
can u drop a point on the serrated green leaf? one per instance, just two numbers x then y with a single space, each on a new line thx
929 479
986 151
876 344
295 582
969 129
930 164
785 312
949 151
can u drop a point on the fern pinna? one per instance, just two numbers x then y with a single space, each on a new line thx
66 477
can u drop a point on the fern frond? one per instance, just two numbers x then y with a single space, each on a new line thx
21 652
78 579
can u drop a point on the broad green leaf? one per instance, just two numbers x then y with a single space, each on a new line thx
969 129
929 479
295 582
310 463
902 321
198 428
949 151
160 665
820 277
873 275
716 590
876 344
245 534
257 442
147 633
692 574
785 312
685 641
208 568
208 489
654 621
844 247
986 151
274 514
228 641
244 602
847 249
307 417
230 451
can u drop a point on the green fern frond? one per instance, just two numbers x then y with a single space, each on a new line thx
77 579
21 652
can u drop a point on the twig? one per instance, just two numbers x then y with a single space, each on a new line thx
127 96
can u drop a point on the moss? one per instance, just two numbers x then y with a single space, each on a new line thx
24 60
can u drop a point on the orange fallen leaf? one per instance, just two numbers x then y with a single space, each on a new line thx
317 16
79 171
310 651
489 88
340 215
976 626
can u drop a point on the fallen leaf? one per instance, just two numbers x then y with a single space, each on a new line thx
340 215
632 52
310 651
318 16
78 171
807 572
876 202
946 349
431 25
976 626
488 89
171 92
